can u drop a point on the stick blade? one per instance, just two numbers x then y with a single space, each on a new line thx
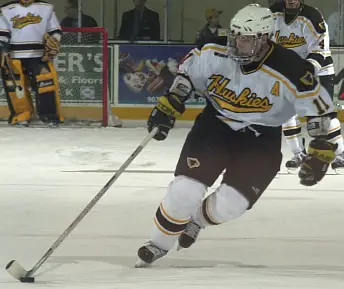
16 270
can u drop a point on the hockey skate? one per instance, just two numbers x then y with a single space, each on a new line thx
149 253
338 164
296 161
23 123
189 235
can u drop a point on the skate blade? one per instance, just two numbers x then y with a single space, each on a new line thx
179 248
141 264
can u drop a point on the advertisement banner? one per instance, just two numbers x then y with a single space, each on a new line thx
146 72
79 70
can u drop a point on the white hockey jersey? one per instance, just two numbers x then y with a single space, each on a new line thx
267 93
307 34
24 27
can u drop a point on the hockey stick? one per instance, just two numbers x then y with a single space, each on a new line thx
18 88
18 271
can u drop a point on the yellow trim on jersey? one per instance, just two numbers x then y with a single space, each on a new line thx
213 47
304 20
164 230
198 53
293 136
333 140
322 53
290 127
290 86
327 67
336 128
310 26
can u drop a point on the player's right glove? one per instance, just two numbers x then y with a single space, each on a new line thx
164 114
4 50
314 167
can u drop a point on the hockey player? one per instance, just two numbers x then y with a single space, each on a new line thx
29 39
252 86
301 27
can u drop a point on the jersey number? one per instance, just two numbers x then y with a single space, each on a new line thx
322 45
321 105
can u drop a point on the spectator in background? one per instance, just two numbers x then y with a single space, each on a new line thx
71 20
210 30
140 23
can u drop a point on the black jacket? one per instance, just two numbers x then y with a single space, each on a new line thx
206 36
149 26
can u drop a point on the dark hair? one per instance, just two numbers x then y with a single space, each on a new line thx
73 3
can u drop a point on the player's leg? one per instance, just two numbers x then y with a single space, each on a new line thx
20 107
295 141
248 174
44 82
334 135
201 162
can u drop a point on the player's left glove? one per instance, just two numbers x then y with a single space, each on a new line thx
164 114
320 155
51 47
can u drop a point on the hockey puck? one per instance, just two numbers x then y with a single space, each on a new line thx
27 279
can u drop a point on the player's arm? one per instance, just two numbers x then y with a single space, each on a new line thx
171 105
316 34
5 35
52 37
314 102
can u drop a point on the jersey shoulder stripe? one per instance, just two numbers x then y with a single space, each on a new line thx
314 16
215 47
212 50
290 66
218 40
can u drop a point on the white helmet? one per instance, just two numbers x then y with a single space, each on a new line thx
249 24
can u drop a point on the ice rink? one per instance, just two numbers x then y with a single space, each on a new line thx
292 238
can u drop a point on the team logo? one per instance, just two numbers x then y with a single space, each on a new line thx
193 163
21 22
290 41
322 25
246 101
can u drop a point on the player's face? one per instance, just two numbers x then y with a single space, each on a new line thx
292 4
245 49
245 45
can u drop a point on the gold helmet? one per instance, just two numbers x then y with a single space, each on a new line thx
26 2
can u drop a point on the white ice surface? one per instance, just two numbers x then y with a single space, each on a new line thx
292 238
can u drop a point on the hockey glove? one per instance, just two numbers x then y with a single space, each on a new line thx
164 114
4 50
314 167
51 47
